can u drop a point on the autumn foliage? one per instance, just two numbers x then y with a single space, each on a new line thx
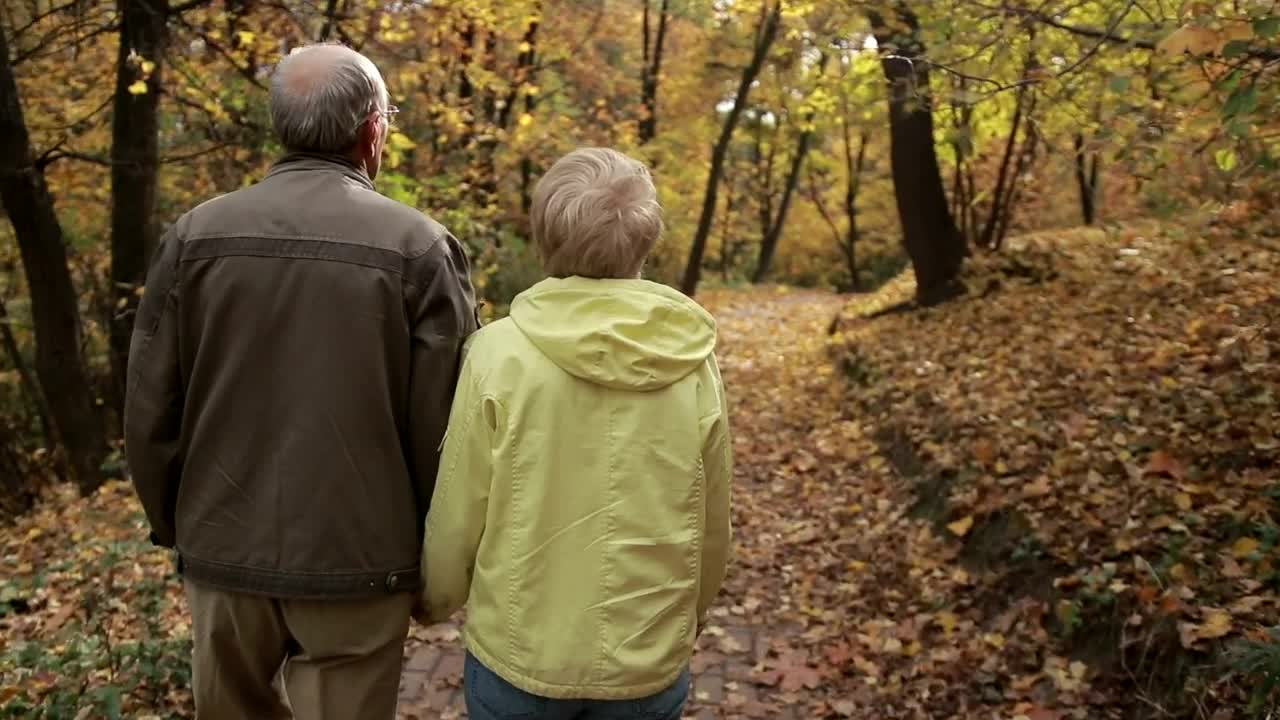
1039 483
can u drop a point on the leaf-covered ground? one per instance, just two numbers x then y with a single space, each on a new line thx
1069 482
1058 497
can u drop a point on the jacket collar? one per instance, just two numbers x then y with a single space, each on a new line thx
311 162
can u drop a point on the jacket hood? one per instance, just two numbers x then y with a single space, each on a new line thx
623 334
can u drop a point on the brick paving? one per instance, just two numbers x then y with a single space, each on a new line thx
723 670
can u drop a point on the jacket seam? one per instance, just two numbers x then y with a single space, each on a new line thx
289 573
448 480
170 295
299 256
697 518
512 589
135 375
329 239
606 576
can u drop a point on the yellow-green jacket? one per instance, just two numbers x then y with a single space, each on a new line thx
581 511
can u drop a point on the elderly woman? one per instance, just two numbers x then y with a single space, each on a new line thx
582 506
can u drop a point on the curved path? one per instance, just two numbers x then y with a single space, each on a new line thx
755 658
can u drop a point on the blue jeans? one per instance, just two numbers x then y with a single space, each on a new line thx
489 697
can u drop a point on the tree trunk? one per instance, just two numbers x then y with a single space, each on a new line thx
530 102
764 178
769 246
854 166
330 13
29 383
929 234
1027 154
467 41
1086 180
1003 182
16 495
54 307
524 66
650 74
764 40
135 166
726 255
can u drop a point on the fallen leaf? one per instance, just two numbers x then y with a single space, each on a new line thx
985 451
729 644
1162 463
1216 624
962 526
1244 547
948 621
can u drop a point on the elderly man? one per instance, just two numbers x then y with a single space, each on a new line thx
290 378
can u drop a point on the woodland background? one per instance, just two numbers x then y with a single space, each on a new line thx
931 161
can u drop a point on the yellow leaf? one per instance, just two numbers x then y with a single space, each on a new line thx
1183 501
962 526
948 621
246 38
1216 624
148 67
400 141
525 119
1191 39
139 87
1244 547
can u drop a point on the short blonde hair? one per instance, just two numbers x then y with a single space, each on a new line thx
595 214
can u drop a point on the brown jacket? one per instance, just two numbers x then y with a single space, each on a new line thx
292 367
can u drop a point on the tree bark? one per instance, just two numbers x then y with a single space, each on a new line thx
1030 144
16 495
29 383
54 309
135 166
987 238
330 19
854 166
524 66
769 245
929 233
1086 180
764 40
764 177
651 73
726 253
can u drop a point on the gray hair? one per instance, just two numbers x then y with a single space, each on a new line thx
320 96
595 214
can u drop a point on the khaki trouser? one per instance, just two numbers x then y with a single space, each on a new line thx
332 658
